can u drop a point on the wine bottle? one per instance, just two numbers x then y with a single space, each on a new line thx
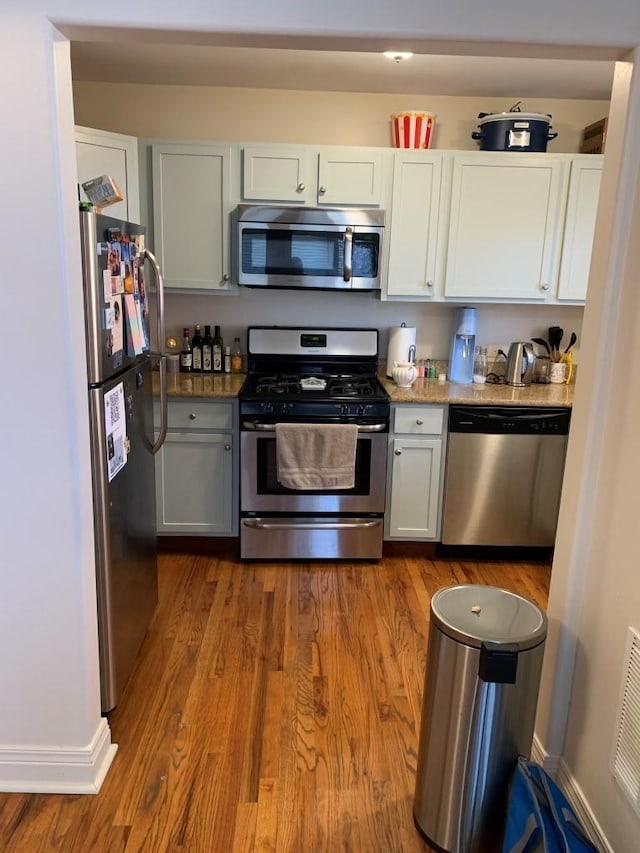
217 351
186 360
196 351
207 351
236 356
227 359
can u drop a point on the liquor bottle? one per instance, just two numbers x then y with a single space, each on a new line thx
196 350
236 356
186 359
217 350
207 351
227 359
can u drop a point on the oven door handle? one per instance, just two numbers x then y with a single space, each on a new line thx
258 427
259 524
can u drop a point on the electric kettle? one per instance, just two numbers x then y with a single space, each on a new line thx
520 361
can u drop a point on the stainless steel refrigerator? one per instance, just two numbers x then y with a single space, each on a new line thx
120 401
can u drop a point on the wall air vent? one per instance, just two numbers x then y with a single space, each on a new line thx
625 762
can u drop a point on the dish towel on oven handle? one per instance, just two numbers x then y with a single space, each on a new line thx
316 456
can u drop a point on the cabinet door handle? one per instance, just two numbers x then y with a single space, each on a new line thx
227 447
429 285
192 416
300 188
398 452
419 422
544 286
226 277
322 190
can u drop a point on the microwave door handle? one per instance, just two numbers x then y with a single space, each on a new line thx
348 254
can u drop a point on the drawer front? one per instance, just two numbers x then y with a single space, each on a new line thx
197 415
419 420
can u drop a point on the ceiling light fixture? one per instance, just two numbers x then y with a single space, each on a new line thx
398 55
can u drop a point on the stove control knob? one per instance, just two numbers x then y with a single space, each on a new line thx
344 409
362 410
267 408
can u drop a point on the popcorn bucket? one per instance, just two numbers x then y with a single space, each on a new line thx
412 129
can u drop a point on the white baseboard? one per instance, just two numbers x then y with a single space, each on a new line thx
558 770
44 770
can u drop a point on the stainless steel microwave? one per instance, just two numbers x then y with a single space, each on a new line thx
309 247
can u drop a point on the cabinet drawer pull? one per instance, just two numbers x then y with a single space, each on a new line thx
227 447
192 416
419 421
300 188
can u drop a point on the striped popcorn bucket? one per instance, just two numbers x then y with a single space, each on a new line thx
412 129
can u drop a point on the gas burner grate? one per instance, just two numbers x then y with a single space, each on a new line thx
345 387
278 385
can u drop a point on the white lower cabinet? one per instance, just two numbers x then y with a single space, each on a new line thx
414 483
196 470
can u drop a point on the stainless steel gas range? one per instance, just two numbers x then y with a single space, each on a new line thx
320 377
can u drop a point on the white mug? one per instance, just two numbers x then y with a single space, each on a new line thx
557 372
404 373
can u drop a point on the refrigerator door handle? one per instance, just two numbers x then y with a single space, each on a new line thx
148 255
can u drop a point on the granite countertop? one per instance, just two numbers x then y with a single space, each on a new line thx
434 391
228 385
193 385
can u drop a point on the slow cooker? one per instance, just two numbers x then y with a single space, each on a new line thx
513 131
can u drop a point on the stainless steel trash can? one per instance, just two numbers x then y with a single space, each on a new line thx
481 688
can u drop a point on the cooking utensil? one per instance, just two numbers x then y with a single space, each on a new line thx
542 343
572 341
555 339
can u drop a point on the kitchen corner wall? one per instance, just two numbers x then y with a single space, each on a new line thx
327 118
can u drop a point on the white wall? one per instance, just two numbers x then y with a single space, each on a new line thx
47 630
222 114
595 590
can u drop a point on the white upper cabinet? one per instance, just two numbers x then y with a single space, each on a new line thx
505 226
350 176
415 266
99 152
332 176
191 211
579 229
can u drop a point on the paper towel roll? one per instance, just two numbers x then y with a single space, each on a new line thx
401 338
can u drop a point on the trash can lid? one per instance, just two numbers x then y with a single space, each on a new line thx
474 613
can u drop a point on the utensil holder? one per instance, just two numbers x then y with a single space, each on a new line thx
557 372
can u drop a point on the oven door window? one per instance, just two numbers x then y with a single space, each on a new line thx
302 252
267 471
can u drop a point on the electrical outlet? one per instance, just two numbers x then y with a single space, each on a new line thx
492 352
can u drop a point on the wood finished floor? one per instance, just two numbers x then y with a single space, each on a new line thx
274 707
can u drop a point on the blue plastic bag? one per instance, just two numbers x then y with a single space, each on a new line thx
539 817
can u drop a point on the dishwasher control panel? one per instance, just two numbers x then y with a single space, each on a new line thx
509 420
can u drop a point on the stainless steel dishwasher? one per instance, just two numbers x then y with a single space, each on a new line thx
503 475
